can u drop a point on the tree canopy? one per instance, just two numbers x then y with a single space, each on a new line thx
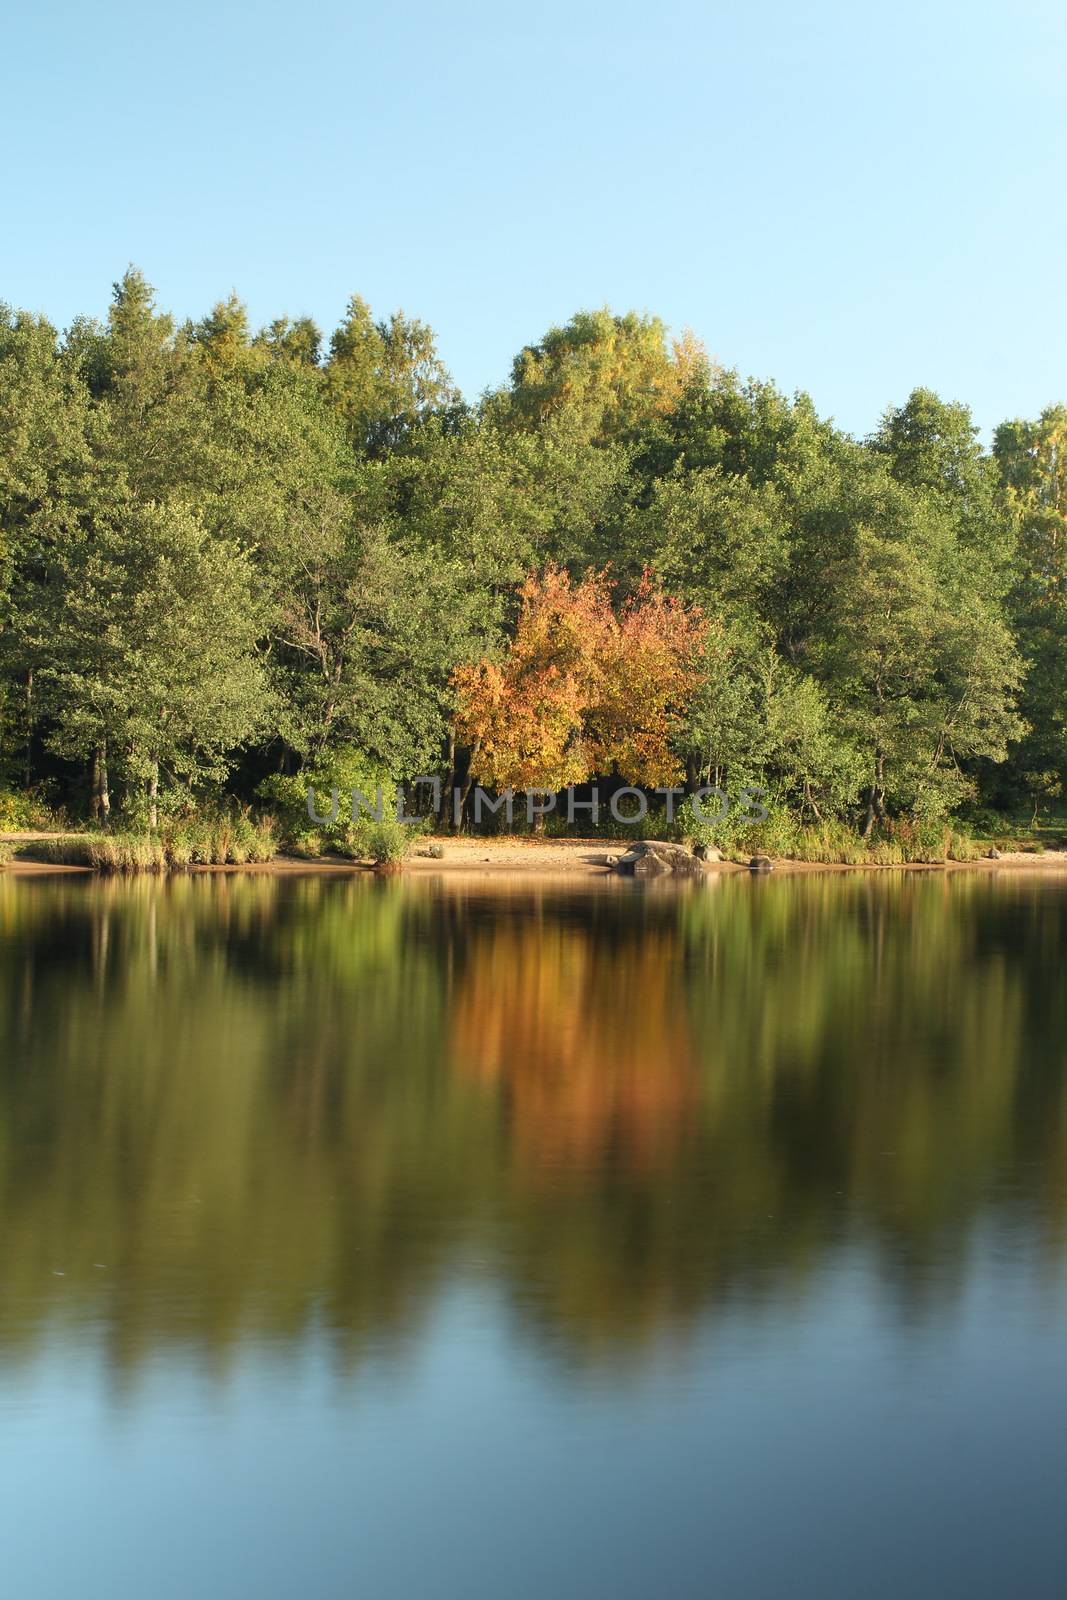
227 553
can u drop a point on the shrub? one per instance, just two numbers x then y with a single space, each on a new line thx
21 811
6 853
178 846
987 824
263 846
387 841
345 770
308 844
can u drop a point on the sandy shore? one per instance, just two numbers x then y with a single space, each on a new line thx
566 858
587 858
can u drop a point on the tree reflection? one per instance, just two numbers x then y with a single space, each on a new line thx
245 1106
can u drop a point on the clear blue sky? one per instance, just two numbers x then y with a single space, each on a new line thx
849 199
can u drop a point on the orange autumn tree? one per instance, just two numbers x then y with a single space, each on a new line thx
648 677
581 691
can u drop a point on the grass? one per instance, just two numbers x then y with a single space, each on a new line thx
225 841
896 844
235 838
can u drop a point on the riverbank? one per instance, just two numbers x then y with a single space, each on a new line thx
589 858
536 858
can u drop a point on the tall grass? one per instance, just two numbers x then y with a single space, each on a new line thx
216 842
894 844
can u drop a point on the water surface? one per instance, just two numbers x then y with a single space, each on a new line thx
415 1240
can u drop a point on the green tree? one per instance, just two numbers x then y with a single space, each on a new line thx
384 378
612 374
933 445
143 638
360 662
923 667
1032 457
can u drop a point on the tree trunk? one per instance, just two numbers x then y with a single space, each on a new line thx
27 771
100 801
868 821
875 796
153 799
456 812
448 805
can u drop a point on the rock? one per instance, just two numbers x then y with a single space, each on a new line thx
687 866
993 854
611 861
707 852
761 864
654 858
651 865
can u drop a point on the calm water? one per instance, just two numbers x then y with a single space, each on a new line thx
380 1240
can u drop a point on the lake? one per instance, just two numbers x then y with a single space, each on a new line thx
421 1239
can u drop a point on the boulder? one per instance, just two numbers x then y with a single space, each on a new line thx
707 852
686 866
651 866
655 858
993 854
761 864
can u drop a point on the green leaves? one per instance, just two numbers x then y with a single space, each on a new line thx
224 548
150 645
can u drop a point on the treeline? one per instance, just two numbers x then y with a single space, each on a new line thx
236 560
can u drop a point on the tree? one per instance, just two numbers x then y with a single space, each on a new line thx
714 537
924 669
143 636
933 446
1032 457
45 465
384 378
44 412
525 718
289 339
755 719
503 502
355 659
648 674
611 373
580 691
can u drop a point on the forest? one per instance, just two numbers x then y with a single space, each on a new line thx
234 563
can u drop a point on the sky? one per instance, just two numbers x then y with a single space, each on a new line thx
851 200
